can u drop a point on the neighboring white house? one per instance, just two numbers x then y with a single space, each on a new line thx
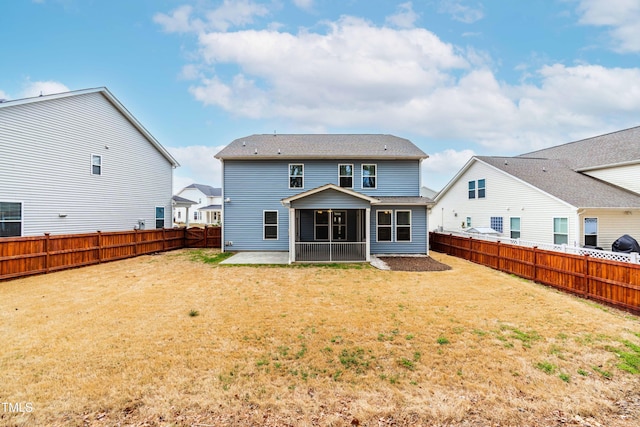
79 162
206 208
584 193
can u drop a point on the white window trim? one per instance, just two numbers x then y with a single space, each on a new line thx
277 224
403 226
390 226
553 225
474 189
478 188
584 231
164 219
362 187
315 225
91 164
347 176
295 176
519 230
21 215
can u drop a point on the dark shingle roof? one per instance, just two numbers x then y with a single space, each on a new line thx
610 149
557 178
321 146
405 200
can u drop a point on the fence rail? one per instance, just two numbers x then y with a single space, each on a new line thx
24 256
331 251
611 282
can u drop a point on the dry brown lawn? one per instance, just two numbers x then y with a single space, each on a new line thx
169 340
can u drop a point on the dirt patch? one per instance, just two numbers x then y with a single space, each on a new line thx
411 263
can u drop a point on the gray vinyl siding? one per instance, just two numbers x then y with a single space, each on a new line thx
259 185
46 163
418 244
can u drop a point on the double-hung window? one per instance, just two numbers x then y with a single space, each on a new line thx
560 231
591 231
472 189
345 175
481 188
369 175
514 226
403 226
383 226
159 216
270 225
10 219
96 164
296 176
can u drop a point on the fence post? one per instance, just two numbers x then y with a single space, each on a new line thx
206 232
99 246
450 243
585 290
499 267
634 257
46 249
535 263
135 241
164 240
470 248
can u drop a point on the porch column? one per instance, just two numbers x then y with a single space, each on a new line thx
292 235
367 234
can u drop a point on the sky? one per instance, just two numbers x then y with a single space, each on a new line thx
457 77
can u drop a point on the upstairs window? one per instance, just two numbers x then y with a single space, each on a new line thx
345 176
159 216
10 219
472 189
369 175
296 176
96 164
481 187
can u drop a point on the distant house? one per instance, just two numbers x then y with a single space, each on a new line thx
584 193
206 207
80 162
324 197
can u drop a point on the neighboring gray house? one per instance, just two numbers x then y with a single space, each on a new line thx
79 162
324 197
584 193
206 208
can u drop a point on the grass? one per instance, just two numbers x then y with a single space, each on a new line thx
113 344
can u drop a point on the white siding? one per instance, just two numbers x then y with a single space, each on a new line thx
623 176
506 197
46 151
612 223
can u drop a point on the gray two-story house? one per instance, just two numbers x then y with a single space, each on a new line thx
324 197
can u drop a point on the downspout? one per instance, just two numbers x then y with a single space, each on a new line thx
577 227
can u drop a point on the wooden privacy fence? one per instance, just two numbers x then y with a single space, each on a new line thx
610 282
23 256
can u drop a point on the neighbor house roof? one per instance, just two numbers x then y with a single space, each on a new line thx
207 190
616 148
321 146
112 99
182 202
556 178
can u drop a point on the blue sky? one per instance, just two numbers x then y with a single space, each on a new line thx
457 77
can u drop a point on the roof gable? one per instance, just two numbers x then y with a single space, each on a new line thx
112 99
321 146
327 187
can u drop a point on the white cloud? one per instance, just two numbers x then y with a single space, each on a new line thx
356 75
3 95
231 13
197 166
404 18
461 12
304 4
621 16
49 87
440 167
